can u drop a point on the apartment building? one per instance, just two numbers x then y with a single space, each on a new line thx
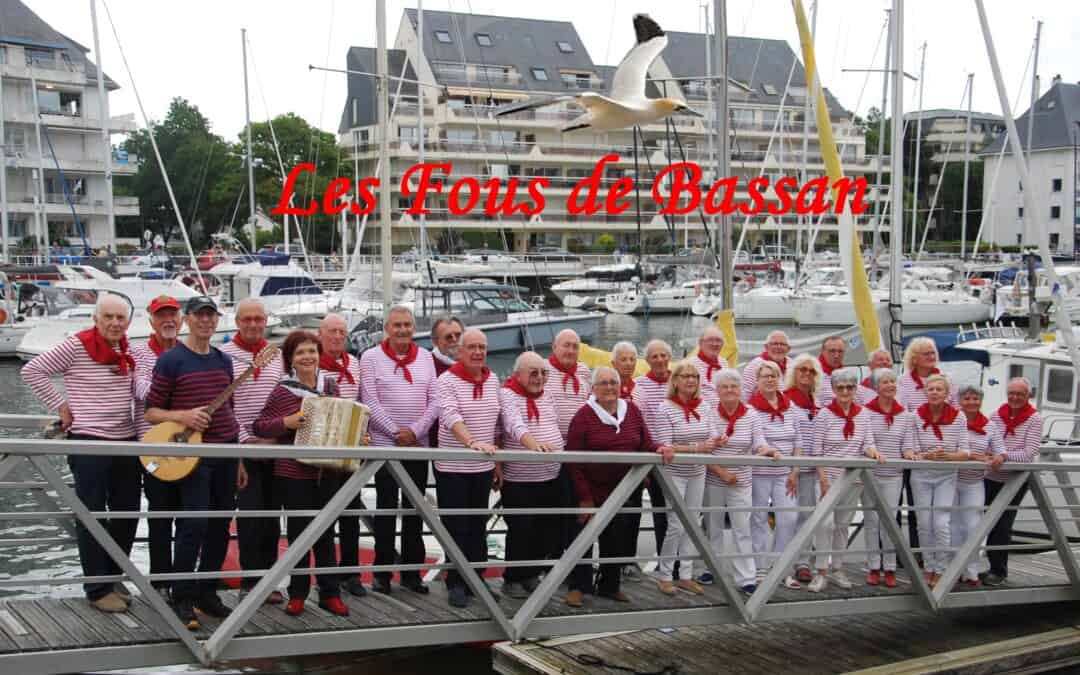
51 120
471 64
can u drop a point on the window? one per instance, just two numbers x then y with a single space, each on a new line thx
539 74
1019 186
460 136
1055 212
1055 185
1055 239
1020 212
483 39
39 57
48 101
1060 389
410 135
565 47
3 54
443 36
769 89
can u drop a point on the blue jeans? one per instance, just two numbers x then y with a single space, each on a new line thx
203 542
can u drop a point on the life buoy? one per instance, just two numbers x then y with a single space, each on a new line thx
977 282
3 315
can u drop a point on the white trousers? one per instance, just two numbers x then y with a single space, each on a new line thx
931 494
808 494
732 498
832 534
771 491
877 558
964 522
677 540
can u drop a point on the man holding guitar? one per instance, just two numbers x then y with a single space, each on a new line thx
186 380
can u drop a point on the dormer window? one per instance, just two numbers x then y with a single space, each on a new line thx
539 74
483 39
565 47
443 36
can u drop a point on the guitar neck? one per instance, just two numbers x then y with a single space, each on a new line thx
229 390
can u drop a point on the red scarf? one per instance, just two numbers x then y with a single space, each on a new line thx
849 418
401 361
1012 422
569 374
458 369
762 404
714 364
825 367
627 390
330 364
782 365
918 380
979 424
866 383
156 346
733 418
251 349
656 379
689 407
948 416
890 415
799 398
102 352
532 410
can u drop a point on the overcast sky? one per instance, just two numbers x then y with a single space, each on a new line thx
192 48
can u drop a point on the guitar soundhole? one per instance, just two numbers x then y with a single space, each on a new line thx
178 438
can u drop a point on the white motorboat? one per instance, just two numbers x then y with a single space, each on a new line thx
761 304
278 286
591 290
668 299
922 307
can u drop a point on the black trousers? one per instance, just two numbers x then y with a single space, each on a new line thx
202 542
533 536
309 494
617 540
105 483
348 528
465 491
657 501
257 538
161 496
1001 534
412 541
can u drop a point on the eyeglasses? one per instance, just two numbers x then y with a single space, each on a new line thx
690 376
605 383
806 369
777 344
843 387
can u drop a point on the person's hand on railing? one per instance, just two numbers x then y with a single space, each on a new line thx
545 447
911 455
486 448
241 476
766 451
719 441
668 452
66 418
979 457
996 461
872 453
585 504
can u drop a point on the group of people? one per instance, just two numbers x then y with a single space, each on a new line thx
448 397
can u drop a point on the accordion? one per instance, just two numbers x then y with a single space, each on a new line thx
332 422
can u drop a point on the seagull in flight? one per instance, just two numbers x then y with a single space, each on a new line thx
626 105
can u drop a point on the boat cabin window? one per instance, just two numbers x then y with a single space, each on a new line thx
290 286
1060 387
1030 370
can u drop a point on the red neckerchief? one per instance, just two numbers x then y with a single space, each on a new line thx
656 379
251 349
689 407
401 361
799 398
713 364
627 390
458 369
948 416
825 367
1012 422
849 418
329 363
762 404
733 418
866 383
568 373
890 415
102 352
979 424
156 346
532 410
918 380
782 365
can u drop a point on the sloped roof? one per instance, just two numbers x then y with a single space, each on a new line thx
1056 114
20 25
361 88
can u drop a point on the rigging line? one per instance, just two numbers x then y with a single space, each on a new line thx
611 31
67 193
243 189
313 147
202 181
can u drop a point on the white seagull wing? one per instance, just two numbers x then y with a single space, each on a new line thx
529 104
628 83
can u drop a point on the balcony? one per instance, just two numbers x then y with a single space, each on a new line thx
27 158
122 124
57 204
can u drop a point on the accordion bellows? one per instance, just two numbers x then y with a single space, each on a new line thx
332 422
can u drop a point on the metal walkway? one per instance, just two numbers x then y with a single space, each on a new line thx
56 634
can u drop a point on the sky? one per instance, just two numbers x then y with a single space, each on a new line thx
193 48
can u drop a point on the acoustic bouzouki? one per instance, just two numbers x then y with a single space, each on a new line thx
171 469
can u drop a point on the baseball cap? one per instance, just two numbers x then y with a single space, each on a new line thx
163 302
200 302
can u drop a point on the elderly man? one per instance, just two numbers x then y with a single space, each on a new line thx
398 383
624 361
529 422
469 411
164 312
98 373
879 358
1019 426
571 382
831 358
186 379
257 538
709 363
777 347
650 390
445 340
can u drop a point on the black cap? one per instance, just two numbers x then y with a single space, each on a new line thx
201 302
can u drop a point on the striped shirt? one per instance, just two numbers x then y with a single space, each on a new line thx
270 424
184 380
250 397
749 376
145 360
891 441
954 439
349 390
825 394
806 428
514 415
567 401
480 416
988 444
671 428
781 434
708 384
827 439
911 395
1021 446
746 439
864 394
647 396
100 397
394 401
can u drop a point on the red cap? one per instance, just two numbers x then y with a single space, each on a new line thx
163 302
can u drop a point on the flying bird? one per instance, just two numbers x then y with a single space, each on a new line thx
626 105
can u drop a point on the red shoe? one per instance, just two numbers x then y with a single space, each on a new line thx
803 574
890 579
334 606
873 578
974 583
295 606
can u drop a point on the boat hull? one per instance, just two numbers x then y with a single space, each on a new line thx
840 311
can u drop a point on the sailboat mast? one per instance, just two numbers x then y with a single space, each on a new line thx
1031 120
803 221
3 178
878 214
383 83
723 164
420 117
896 184
967 161
106 142
250 162
918 151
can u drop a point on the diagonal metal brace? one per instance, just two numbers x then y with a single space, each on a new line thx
1057 532
8 463
887 516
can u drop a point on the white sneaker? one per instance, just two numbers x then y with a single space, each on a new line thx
841 579
760 576
817 584
792 583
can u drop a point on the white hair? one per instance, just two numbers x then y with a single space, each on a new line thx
880 374
604 370
399 309
250 302
104 299
728 374
624 345
657 344
523 358
845 376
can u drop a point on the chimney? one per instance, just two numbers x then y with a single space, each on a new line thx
1056 80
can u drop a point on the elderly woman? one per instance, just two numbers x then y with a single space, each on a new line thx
606 423
940 436
624 360
983 444
688 424
729 487
841 430
775 486
879 358
893 427
920 362
801 388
